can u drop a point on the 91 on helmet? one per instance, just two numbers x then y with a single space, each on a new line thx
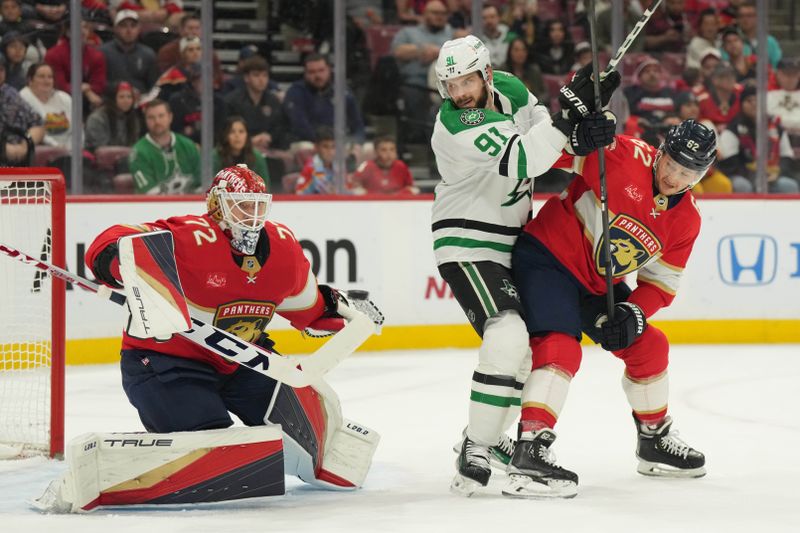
462 56
238 201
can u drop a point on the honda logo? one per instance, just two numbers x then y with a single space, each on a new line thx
747 260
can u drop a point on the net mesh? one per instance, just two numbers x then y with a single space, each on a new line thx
25 318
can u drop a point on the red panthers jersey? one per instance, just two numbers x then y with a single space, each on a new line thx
650 233
234 292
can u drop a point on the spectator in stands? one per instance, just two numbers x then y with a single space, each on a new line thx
386 174
733 48
727 15
737 151
496 36
746 19
236 81
117 122
413 11
668 30
235 147
784 102
94 66
309 102
719 96
318 175
267 124
167 12
583 56
415 48
461 15
44 26
522 18
706 39
186 105
175 79
170 54
53 105
127 58
163 162
19 123
14 47
555 52
517 63
12 17
650 99
604 23
708 63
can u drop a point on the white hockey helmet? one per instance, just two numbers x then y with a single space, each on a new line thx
463 56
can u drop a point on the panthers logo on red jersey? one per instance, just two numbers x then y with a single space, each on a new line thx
245 319
632 245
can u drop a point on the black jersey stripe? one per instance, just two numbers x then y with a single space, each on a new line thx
507 156
464 223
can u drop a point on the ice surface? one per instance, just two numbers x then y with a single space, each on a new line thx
737 404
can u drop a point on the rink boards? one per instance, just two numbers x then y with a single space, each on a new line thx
742 284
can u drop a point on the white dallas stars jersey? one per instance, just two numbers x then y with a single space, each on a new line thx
487 159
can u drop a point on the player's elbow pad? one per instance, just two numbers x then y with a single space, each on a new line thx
102 265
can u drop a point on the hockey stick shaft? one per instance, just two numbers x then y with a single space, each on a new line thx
634 33
226 345
601 160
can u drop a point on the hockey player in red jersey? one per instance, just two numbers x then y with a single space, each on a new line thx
237 269
558 267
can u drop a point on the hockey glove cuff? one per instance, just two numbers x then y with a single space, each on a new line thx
102 265
627 325
590 133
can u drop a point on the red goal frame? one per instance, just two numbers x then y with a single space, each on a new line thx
58 307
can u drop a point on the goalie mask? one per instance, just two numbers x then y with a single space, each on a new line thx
238 201
462 56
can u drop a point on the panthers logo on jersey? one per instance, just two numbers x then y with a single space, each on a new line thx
632 245
245 319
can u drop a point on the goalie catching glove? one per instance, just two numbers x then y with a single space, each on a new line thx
332 319
621 331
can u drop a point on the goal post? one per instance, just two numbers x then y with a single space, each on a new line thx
32 314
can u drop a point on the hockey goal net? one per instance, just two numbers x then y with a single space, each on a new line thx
31 314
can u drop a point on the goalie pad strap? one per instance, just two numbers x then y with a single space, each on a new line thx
150 280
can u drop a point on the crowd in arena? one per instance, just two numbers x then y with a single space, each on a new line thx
141 89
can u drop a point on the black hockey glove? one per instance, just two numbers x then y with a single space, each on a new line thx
586 135
102 265
628 325
577 97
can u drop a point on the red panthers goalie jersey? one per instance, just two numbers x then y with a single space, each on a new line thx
234 292
649 232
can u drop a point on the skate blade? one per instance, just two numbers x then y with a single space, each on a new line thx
647 468
525 487
464 486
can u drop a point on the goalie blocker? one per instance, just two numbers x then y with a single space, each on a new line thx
318 446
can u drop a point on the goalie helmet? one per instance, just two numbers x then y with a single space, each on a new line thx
238 201
463 56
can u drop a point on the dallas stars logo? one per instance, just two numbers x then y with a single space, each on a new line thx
472 117
510 289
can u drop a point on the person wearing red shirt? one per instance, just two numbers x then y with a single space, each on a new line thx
559 270
93 84
386 174
719 96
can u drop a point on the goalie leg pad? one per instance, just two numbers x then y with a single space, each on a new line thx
167 468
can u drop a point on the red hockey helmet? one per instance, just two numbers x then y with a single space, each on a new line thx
238 201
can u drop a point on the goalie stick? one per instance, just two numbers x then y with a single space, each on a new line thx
358 329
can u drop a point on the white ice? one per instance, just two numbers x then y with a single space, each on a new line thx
737 404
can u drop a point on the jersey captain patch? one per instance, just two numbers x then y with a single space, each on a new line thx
245 319
472 117
632 245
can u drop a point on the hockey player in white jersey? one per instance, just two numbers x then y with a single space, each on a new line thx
491 138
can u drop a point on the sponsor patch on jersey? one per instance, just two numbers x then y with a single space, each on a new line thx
216 280
632 245
472 117
245 319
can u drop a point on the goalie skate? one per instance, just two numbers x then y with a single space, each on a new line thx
473 468
534 474
662 454
499 454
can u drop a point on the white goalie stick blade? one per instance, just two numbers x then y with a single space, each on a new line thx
525 487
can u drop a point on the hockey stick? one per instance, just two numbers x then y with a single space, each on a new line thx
634 33
358 329
601 159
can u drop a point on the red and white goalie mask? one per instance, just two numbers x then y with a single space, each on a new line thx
238 201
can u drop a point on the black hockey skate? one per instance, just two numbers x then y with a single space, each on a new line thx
533 472
661 453
473 468
499 454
